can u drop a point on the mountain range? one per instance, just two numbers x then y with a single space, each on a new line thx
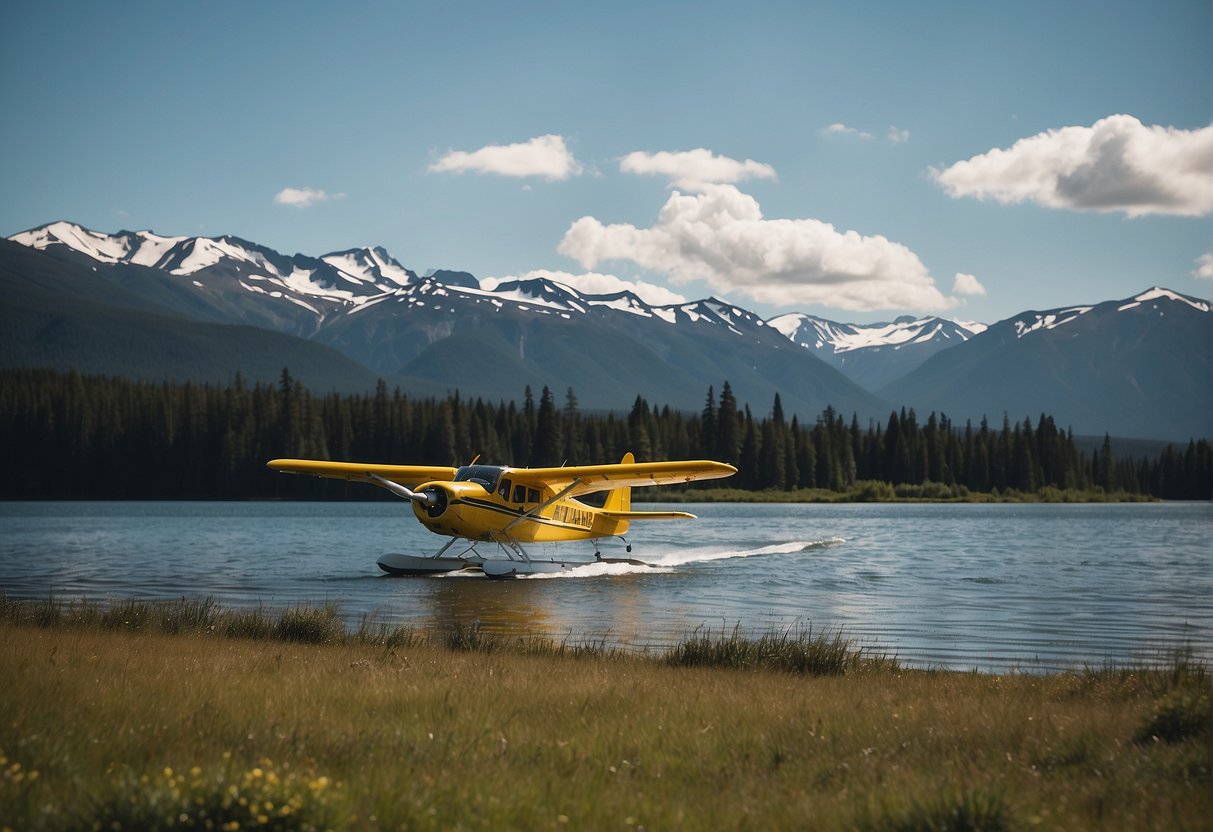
150 306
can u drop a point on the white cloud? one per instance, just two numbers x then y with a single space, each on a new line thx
721 237
898 136
693 169
545 156
967 284
838 129
1204 267
596 283
1116 164
302 197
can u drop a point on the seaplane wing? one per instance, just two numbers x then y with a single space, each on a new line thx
410 476
587 479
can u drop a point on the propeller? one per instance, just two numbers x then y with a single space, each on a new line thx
425 498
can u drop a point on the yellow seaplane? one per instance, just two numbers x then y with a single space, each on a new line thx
511 506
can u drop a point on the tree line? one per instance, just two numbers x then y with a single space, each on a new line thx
71 436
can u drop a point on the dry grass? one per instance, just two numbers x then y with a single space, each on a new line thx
410 733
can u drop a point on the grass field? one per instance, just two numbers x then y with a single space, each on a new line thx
144 716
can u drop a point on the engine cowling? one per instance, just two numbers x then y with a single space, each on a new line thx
438 500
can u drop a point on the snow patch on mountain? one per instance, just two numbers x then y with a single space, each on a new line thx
373 266
102 247
1158 293
837 338
540 292
628 302
204 253
1049 320
152 249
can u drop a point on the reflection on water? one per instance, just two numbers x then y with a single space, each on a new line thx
957 586
515 608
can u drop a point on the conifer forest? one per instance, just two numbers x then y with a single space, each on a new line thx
68 436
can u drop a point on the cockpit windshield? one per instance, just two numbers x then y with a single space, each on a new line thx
484 475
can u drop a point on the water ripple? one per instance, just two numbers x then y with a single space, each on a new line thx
992 587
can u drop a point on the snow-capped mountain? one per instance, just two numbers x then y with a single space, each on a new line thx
443 331
1141 366
873 355
227 279
1134 367
102 320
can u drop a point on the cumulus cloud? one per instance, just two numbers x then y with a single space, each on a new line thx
301 197
720 236
839 129
545 156
596 283
1116 164
1204 267
898 136
967 284
691 170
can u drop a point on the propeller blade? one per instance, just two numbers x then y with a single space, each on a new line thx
399 490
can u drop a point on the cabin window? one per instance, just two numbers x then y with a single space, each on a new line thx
504 491
532 496
520 493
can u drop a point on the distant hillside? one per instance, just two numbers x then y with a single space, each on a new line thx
1139 367
62 316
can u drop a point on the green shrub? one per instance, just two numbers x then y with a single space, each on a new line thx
1179 715
312 625
184 616
380 634
965 811
250 624
128 615
872 491
469 637
792 651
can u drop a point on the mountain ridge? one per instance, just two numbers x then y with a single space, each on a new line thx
1153 381
444 331
422 330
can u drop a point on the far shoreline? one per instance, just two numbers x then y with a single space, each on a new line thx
862 493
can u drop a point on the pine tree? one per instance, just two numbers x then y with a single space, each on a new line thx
708 429
549 438
728 427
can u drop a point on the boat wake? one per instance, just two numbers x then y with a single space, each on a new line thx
665 563
790 548
597 569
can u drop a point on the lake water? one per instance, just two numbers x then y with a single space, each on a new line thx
992 587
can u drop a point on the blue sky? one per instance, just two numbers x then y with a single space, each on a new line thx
852 160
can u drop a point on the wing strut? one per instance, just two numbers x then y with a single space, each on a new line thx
559 495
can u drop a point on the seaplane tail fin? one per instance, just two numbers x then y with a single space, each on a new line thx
620 499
